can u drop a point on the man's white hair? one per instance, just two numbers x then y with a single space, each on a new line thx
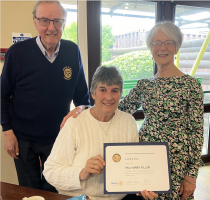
55 1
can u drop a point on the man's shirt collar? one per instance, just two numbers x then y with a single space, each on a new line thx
40 45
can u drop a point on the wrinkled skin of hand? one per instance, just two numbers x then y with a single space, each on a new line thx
11 144
187 188
73 113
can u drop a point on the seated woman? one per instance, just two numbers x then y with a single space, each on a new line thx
75 164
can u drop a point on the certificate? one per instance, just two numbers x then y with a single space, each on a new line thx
134 167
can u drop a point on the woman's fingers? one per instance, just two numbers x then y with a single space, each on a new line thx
143 194
187 188
95 164
185 195
149 195
95 169
98 157
181 189
154 195
96 160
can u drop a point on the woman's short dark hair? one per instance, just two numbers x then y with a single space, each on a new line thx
107 75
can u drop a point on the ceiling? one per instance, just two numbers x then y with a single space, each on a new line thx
150 7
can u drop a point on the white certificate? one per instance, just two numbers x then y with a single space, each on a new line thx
134 167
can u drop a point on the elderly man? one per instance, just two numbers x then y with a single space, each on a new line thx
40 78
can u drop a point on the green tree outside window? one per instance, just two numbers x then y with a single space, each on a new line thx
70 32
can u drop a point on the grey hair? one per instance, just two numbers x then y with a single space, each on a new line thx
170 30
107 75
49 1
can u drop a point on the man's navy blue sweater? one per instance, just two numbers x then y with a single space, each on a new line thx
36 94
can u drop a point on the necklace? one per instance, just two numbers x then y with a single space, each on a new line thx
100 124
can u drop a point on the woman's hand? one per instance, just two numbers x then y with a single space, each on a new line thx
148 195
187 188
94 165
73 113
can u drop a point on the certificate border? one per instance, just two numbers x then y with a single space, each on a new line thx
137 144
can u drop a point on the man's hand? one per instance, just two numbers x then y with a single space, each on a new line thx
187 188
94 165
148 195
73 113
11 144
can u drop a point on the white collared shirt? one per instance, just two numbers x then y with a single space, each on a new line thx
40 45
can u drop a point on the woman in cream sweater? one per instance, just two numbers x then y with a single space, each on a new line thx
75 165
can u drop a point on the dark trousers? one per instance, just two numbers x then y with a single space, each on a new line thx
132 197
28 166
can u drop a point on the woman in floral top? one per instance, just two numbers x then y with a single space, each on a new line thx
173 108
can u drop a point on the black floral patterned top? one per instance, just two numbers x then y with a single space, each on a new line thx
173 110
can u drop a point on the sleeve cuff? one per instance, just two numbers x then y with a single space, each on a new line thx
78 184
193 172
6 127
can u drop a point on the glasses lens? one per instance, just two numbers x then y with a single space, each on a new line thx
58 23
154 43
158 43
44 22
168 42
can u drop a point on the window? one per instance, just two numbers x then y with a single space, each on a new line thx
124 28
70 31
194 22
206 133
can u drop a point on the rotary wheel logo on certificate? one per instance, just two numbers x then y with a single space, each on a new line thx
120 183
67 73
116 157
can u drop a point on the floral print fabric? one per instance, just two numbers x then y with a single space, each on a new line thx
173 110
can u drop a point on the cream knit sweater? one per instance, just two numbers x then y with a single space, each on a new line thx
80 139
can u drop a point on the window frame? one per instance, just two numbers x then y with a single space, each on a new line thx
205 4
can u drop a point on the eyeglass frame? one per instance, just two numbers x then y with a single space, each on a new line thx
53 20
166 45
